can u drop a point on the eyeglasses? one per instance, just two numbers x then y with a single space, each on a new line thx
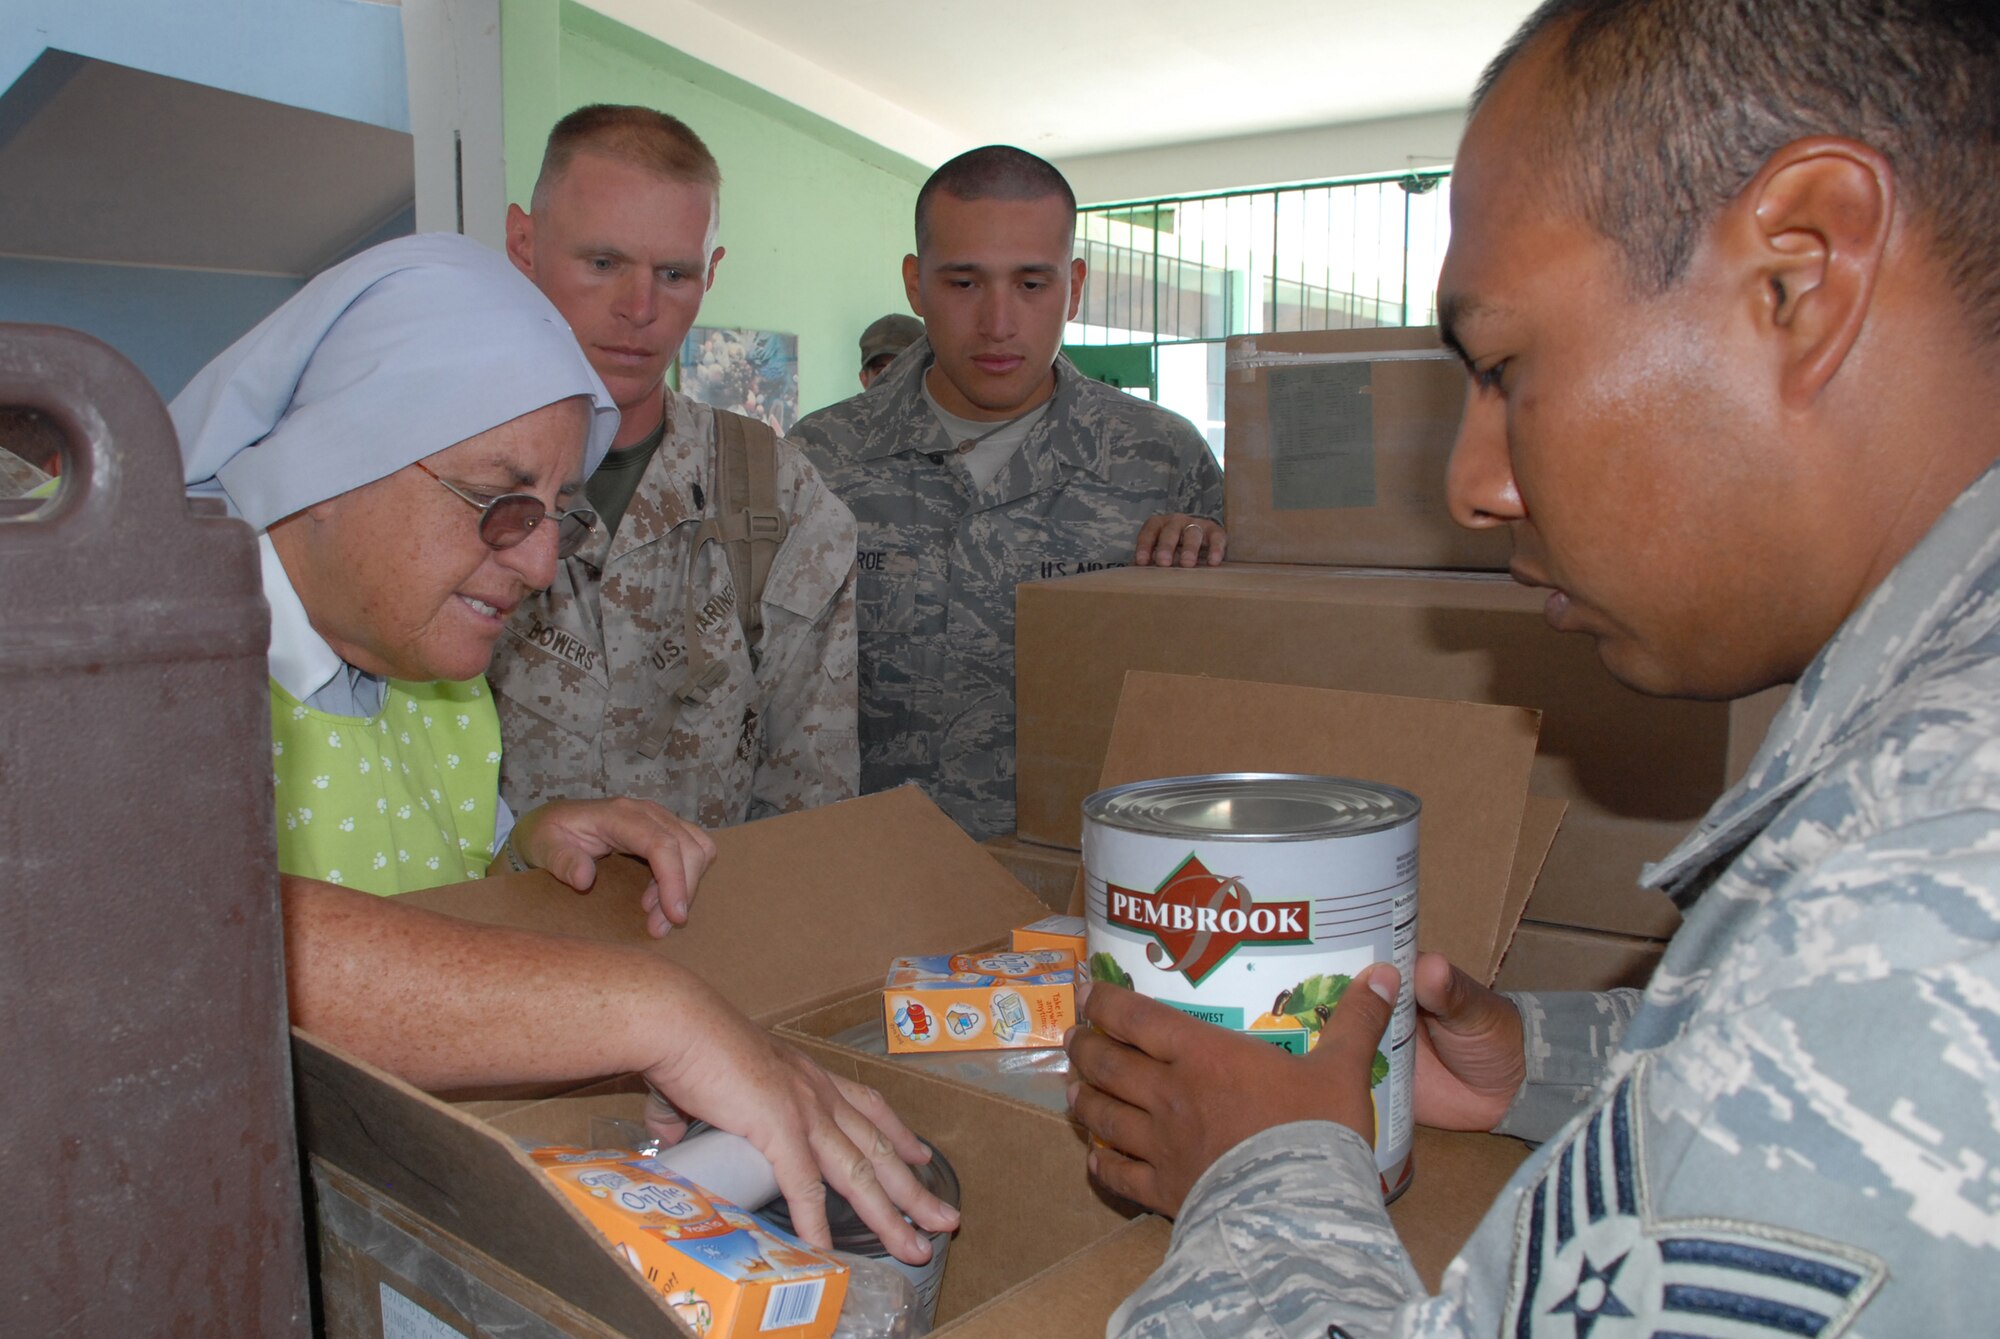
506 520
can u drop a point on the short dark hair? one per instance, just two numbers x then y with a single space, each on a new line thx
995 172
641 136
1667 108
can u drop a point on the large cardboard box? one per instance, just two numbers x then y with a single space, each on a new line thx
1049 872
428 1208
432 1221
1338 442
1556 957
445 1232
1636 772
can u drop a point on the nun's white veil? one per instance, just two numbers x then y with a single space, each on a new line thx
393 355
382 360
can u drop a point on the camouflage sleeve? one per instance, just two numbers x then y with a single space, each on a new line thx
1198 490
809 754
1569 1037
1285 1235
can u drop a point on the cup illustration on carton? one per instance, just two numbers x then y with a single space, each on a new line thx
914 1023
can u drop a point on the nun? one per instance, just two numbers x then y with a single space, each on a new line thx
409 436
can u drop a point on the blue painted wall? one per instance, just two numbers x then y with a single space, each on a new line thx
122 305
341 57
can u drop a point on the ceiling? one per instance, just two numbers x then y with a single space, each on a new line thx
112 164
1067 79
107 163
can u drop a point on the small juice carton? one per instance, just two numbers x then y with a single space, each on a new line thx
1063 932
1002 1000
726 1274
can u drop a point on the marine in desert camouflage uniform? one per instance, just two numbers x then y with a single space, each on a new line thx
587 677
941 547
1792 1130
590 678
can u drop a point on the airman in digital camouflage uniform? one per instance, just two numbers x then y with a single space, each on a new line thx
1726 275
591 678
980 459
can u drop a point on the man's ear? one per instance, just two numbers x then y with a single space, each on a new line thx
1816 230
521 239
714 264
912 289
1077 269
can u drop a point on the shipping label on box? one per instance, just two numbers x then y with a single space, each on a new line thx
1007 1000
1338 444
725 1273
1063 933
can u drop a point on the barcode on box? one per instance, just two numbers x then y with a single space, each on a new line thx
792 1304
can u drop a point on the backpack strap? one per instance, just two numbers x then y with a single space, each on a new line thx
751 528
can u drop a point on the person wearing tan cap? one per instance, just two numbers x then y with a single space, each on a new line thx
885 337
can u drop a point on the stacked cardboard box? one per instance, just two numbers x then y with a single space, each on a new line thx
1347 572
1337 443
433 1221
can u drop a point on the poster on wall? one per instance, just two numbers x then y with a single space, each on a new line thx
754 372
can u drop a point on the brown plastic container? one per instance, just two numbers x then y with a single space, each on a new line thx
149 1177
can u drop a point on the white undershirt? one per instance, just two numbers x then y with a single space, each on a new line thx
984 461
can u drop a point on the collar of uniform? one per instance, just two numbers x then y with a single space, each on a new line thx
1077 450
665 496
901 421
1944 594
300 660
894 417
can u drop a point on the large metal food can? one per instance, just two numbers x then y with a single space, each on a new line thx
1251 899
852 1235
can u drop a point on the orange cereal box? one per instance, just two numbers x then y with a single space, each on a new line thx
726 1274
1059 932
1003 1000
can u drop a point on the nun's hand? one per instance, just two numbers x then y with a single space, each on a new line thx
817 1128
566 838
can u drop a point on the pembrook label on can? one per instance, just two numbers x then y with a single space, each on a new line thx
1250 900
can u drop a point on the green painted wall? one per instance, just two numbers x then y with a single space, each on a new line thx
815 218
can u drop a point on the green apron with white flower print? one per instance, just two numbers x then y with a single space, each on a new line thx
390 803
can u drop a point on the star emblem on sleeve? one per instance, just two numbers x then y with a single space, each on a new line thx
1707 1278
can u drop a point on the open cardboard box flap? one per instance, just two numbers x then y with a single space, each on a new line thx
1479 843
1035 1240
1539 822
797 911
1037 1255
458 1173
